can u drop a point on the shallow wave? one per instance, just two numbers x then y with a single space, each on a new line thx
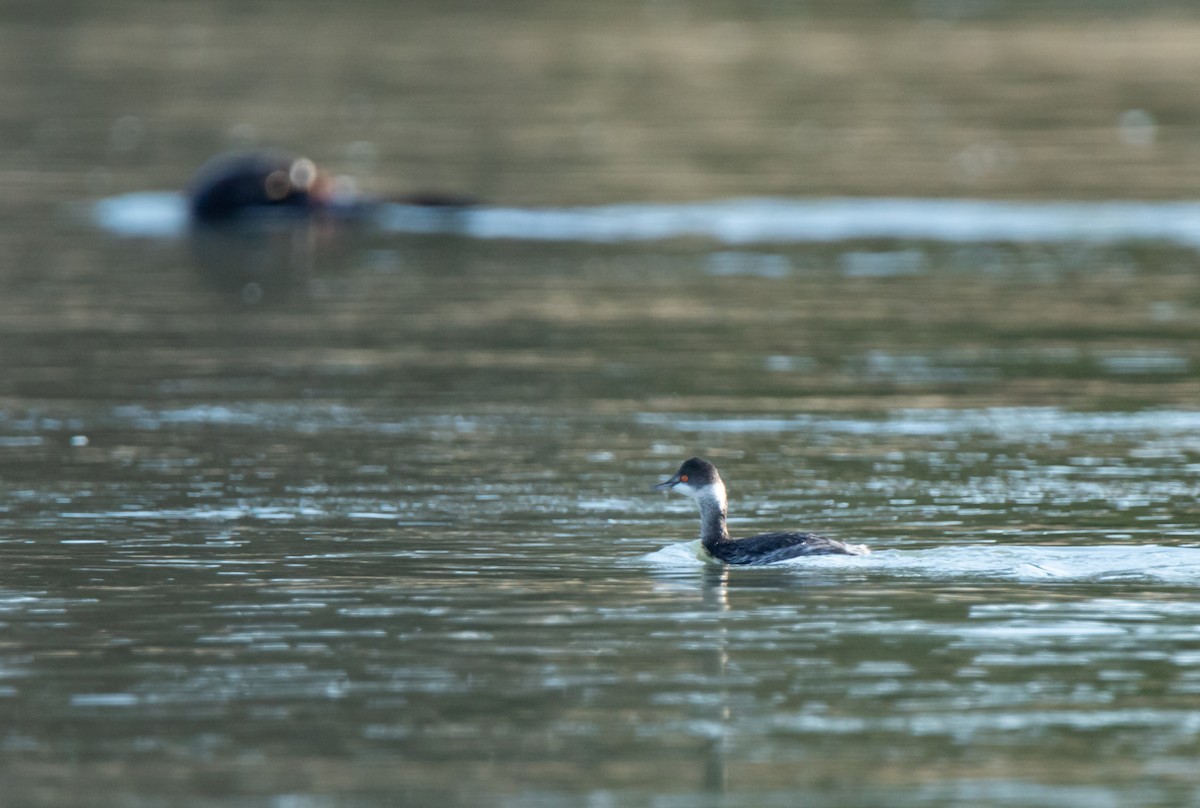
1025 421
147 214
1151 563
742 221
747 221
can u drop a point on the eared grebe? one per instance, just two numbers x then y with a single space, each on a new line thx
698 479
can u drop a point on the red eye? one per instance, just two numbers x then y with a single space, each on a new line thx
683 478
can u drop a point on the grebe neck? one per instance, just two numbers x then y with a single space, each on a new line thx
711 500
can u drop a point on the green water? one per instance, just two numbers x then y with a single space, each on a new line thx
379 531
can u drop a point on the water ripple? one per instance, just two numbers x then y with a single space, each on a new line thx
1148 563
743 221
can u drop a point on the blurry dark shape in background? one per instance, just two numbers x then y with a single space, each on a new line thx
262 223
234 186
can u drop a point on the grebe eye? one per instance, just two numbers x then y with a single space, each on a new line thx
683 478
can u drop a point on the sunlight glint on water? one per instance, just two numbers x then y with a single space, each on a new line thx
360 515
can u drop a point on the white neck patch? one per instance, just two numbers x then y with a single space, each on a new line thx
711 491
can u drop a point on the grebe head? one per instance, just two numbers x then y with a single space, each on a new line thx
696 478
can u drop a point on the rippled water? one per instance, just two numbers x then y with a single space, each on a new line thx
384 534
259 599
307 515
746 221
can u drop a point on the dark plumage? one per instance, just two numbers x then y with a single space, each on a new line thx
233 185
698 479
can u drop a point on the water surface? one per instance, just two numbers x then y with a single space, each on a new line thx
314 516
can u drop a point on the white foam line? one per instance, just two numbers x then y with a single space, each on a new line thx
747 221
744 221
1031 563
